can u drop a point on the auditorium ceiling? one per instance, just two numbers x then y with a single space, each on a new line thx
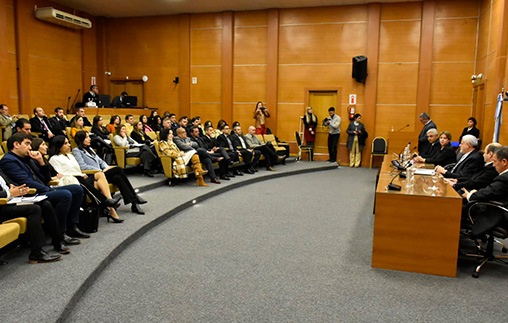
137 8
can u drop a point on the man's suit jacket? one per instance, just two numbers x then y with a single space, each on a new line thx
472 164
22 170
200 142
235 139
210 143
58 126
8 125
432 149
183 145
90 97
88 161
3 193
118 102
479 180
496 191
423 142
37 126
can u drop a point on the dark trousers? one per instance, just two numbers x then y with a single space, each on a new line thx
66 200
90 189
206 160
32 213
146 156
116 176
269 153
333 140
248 158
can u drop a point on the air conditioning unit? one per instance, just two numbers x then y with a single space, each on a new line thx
61 18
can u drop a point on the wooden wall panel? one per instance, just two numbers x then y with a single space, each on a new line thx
397 83
494 25
206 20
206 112
251 18
483 32
249 83
288 121
155 54
250 46
453 9
208 88
399 41
451 118
8 83
329 43
451 83
243 113
397 116
455 39
323 14
206 47
403 10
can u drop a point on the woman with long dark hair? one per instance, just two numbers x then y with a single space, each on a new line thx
113 123
470 129
64 163
88 160
146 127
135 149
260 114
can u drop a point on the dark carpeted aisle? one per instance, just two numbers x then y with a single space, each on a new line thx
293 249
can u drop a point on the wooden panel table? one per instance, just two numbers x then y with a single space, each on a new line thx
416 229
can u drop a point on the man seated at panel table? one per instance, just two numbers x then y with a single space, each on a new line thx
443 155
471 161
23 165
484 177
40 123
91 99
119 101
433 144
80 112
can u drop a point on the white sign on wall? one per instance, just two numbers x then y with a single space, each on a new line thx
352 99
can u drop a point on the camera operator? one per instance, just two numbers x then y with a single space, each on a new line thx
333 123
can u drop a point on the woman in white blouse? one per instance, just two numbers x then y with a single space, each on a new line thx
64 163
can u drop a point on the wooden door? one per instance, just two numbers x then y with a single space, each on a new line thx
478 109
321 101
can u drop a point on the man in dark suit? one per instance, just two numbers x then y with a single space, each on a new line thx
119 101
23 126
80 112
59 123
249 154
470 163
482 178
213 152
33 214
91 99
225 142
423 143
434 146
40 123
22 165
229 156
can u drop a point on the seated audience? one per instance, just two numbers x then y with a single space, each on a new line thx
129 123
249 155
139 135
173 123
151 119
80 112
22 165
7 121
77 125
114 122
196 122
40 123
146 126
156 125
135 150
482 178
34 215
89 160
224 140
442 157
218 131
471 162
101 140
261 148
185 144
215 156
59 122
64 163
470 129
182 158
167 124
23 126
229 156
183 122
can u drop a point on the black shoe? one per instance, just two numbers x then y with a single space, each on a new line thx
115 220
61 248
255 170
140 200
147 173
237 173
249 171
114 203
70 241
136 209
75 232
215 181
230 175
224 177
42 256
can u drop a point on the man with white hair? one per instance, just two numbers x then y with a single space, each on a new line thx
470 163
434 146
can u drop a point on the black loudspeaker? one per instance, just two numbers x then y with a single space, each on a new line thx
360 68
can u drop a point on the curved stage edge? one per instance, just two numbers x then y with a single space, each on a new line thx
94 275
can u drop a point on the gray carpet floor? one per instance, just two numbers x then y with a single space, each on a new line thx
294 249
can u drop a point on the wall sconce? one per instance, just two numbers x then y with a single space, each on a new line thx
475 79
176 80
107 73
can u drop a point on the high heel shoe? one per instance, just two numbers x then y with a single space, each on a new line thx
115 220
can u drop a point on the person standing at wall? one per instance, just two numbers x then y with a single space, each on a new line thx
423 142
356 140
333 123
310 123
260 114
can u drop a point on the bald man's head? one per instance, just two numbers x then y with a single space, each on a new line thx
252 130
181 132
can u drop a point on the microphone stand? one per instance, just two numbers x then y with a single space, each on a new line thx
403 127
74 102
394 187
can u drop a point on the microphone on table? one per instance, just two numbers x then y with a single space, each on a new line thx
394 187
403 127
396 162
408 144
